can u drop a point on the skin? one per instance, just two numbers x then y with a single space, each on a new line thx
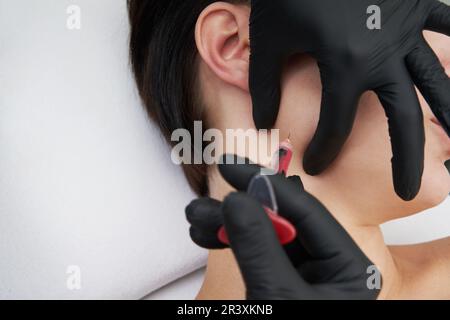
357 188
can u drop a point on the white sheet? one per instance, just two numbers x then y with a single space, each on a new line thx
185 288
85 179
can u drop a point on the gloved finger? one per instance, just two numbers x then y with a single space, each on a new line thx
297 253
439 18
297 180
337 115
238 171
262 260
406 129
430 77
265 67
205 240
205 214
265 86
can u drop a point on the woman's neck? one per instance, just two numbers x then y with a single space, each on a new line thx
223 279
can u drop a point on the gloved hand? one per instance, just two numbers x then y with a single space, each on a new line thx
353 59
322 263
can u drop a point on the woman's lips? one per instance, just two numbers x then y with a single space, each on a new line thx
444 138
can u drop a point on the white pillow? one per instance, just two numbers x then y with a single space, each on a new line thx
85 179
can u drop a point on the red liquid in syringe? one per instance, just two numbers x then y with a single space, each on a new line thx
282 158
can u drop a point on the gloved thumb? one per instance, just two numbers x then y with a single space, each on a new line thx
263 262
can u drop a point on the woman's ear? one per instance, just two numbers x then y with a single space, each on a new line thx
222 38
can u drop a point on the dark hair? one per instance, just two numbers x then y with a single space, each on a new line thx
164 59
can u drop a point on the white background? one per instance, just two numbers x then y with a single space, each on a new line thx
85 179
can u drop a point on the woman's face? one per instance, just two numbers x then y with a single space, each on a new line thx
362 173
360 180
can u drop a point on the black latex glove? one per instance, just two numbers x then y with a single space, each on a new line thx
353 59
322 263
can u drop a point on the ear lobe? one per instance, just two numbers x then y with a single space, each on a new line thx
222 38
